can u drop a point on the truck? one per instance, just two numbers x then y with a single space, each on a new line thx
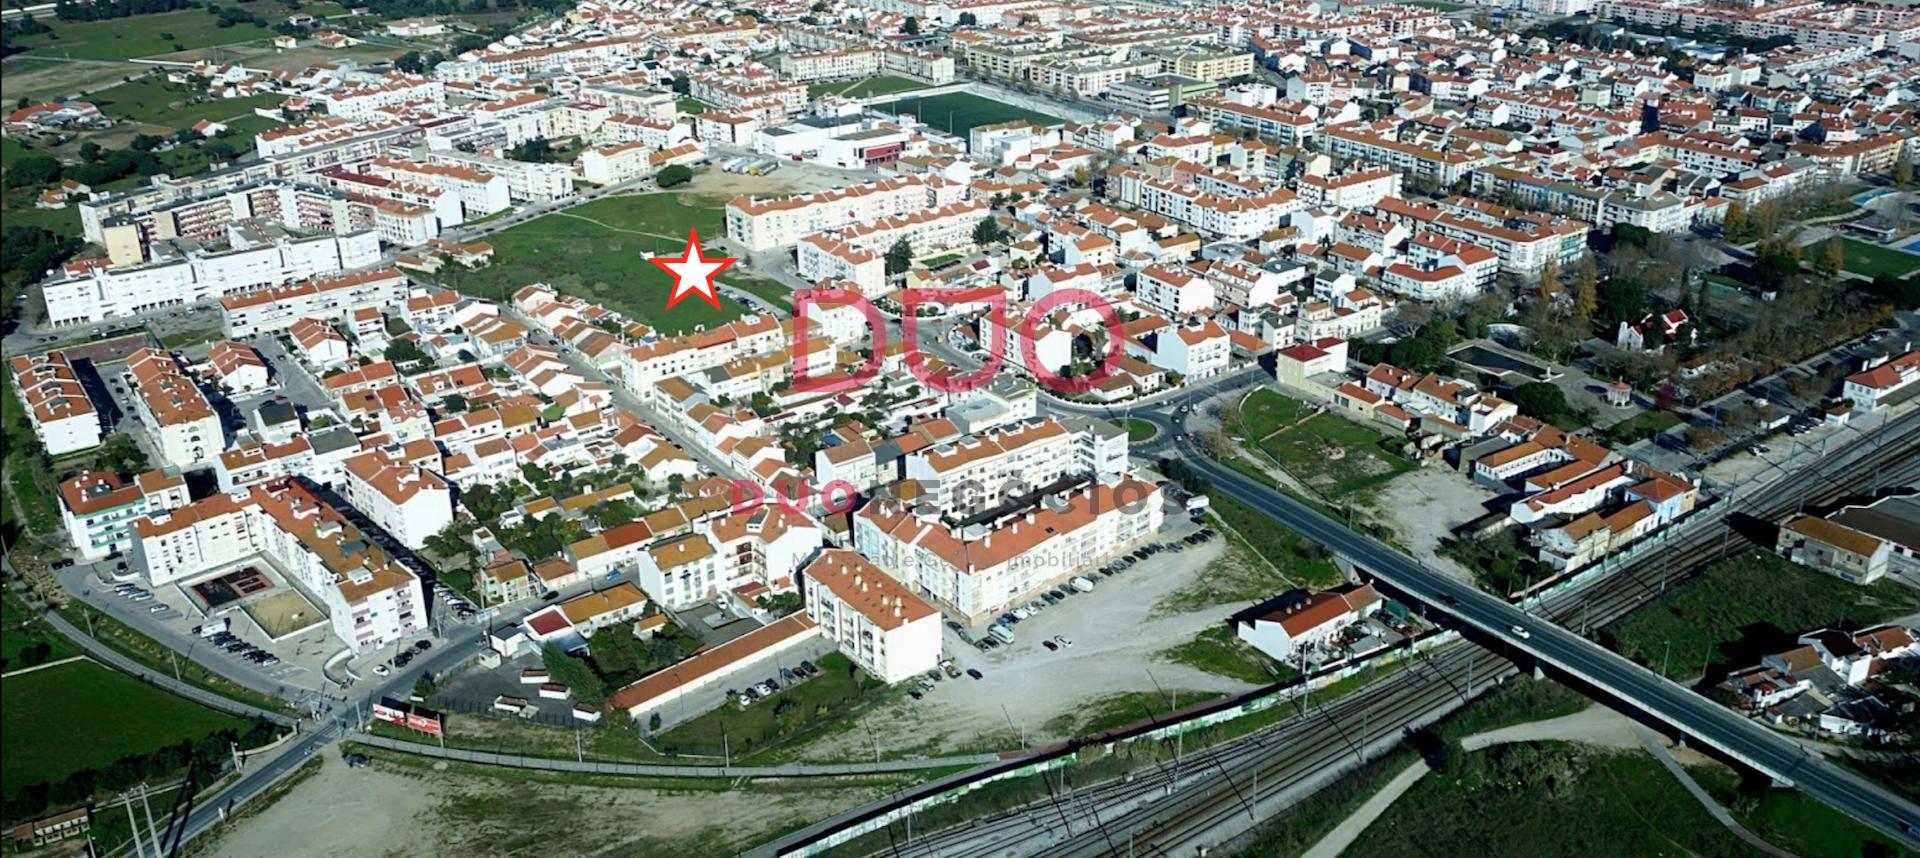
1198 503
1003 634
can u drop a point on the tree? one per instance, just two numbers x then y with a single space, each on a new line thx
1413 353
1540 400
1832 259
33 171
987 231
573 673
218 150
410 62
90 151
682 84
1549 274
968 19
404 351
1586 290
453 403
673 174
1735 224
1902 173
900 255
146 142
911 27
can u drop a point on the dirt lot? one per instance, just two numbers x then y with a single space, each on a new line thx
791 178
1424 505
1118 632
41 79
405 808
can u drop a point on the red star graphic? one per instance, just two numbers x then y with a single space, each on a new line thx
693 273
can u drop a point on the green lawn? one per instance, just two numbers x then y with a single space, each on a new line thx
1309 564
18 206
691 106
1790 819
22 631
1746 607
1218 652
81 715
1139 430
1336 456
1874 260
808 708
1264 411
959 112
1646 424
156 656
773 292
866 87
155 101
599 251
139 35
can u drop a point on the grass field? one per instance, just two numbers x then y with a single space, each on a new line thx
1746 607
1640 426
81 715
27 481
808 708
599 251
1218 652
138 36
20 630
156 102
1139 430
1264 411
1307 564
1548 799
959 112
1874 260
1335 456
691 106
156 656
866 87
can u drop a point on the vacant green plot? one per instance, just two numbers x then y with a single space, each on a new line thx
1119 710
1139 430
19 208
865 88
81 715
1873 260
1219 652
1306 563
770 291
959 112
1547 799
10 150
1265 411
1790 819
1640 426
25 638
599 251
692 106
1436 5
138 36
1335 456
808 708
27 482
1747 607
155 101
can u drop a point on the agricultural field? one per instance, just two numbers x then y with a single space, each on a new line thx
137 36
81 715
25 639
599 252
865 87
959 112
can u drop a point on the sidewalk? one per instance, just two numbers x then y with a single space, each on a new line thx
1349 829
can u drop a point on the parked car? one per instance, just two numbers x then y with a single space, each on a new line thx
424 645
381 670
1050 645
976 674
1063 640
356 761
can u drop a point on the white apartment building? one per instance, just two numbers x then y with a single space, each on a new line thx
376 101
856 253
526 181
273 310
763 224
881 626
105 292
173 411
1350 190
643 367
479 191
99 510
809 66
981 472
1239 216
57 405
1869 389
1174 290
977 572
370 599
402 498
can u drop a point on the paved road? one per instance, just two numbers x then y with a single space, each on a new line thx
1691 713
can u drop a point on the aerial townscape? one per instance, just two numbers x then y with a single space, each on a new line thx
960 428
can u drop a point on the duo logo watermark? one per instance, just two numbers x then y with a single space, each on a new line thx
1062 300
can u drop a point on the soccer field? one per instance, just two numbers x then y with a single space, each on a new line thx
80 715
959 112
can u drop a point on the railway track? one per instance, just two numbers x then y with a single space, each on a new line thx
1212 795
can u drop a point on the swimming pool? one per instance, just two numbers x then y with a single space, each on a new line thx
1867 196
